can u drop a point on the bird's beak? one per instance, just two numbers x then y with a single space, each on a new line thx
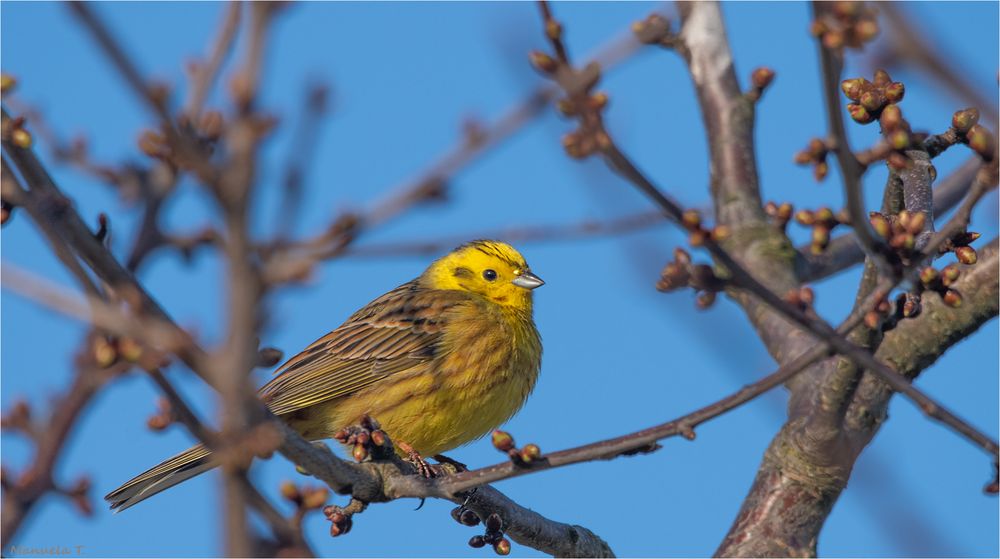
528 280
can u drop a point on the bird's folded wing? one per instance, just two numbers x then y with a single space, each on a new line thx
393 334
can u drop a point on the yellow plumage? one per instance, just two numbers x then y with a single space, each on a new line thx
439 362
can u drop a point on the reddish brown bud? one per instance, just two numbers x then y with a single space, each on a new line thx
916 223
682 256
698 238
543 62
820 239
890 118
762 77
881 78
704 299
378 437
502 441
502 547
894 92
952 298
803 157
7 83
966 255
805 217
820 170
872 100
315 497
360 452
530 453
20 138
824 215
477 542
290 491
866 30
852 88
880 224
950 274
928 276
962 121
981 141
911 305
872 320
129 349
153 144
105 352
899 139
902 241
691 220
833 39
720 233
553 30
567 107
598 100
859 114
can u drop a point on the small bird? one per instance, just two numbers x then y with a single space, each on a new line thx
439 362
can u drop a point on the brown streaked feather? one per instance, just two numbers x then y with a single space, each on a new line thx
393 334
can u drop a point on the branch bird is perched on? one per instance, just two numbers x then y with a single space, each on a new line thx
439 362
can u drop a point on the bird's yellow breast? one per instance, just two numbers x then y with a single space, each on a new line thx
485 367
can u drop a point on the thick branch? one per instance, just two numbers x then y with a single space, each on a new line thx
799 481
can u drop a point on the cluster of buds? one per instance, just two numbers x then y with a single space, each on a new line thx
682 273
107 350
581 100
654 30
493 535
801 298
15 133
163 417
779 214
760 78
966 125
504 442
900 231
822 222
845 23
815 154
698 234
941 282
369 434
871 98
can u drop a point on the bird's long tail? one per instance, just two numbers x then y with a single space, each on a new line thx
193 461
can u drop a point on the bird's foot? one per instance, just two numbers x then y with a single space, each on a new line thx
423 468
367 438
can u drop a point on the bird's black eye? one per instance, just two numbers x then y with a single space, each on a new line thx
489 275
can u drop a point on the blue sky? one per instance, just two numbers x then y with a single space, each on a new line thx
618 355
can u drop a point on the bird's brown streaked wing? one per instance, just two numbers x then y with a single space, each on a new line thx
392 334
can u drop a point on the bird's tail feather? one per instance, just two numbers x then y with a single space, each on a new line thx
193 461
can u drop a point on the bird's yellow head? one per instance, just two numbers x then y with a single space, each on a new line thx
492 269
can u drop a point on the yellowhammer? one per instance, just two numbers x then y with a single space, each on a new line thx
439 362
